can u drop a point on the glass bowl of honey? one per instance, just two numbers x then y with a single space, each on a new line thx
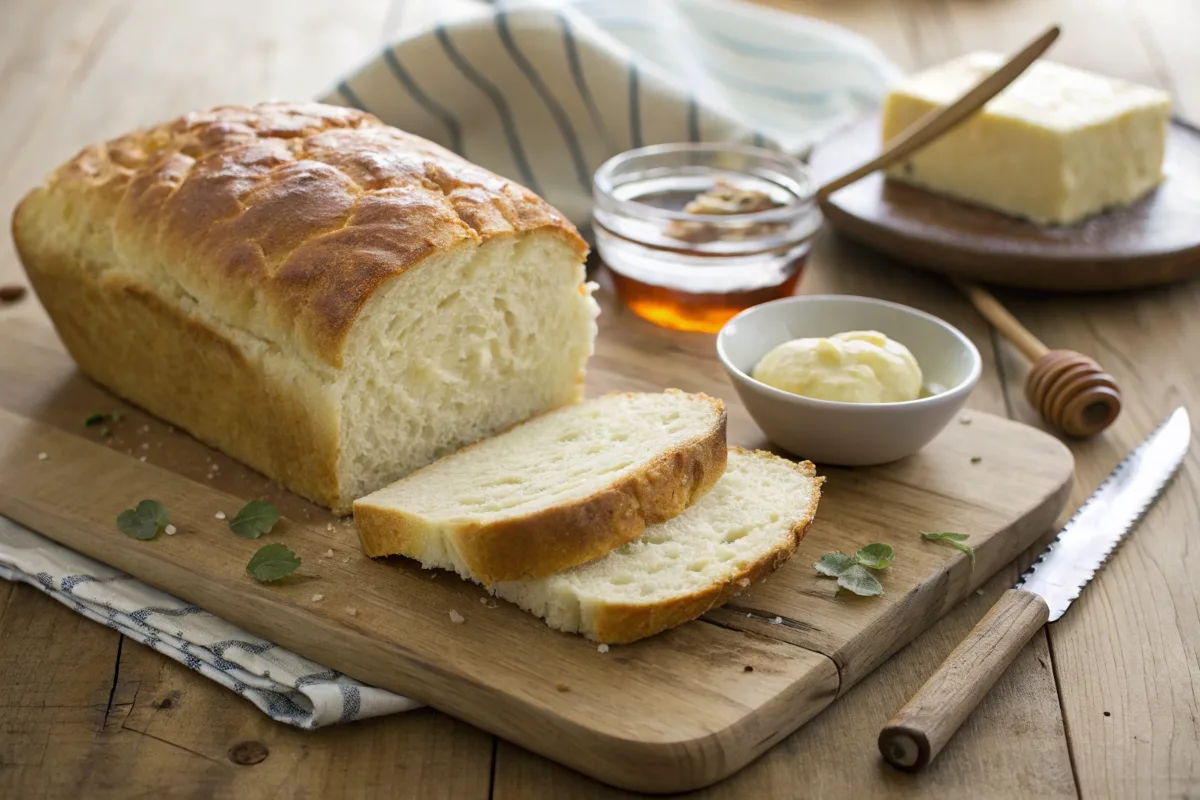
693 234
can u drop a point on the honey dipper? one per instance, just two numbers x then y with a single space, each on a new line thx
1070 390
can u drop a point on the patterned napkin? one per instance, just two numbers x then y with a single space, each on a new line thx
542 93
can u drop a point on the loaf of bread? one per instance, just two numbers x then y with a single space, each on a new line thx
325 298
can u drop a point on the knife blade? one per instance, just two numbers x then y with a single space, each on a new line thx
922 728
1113 510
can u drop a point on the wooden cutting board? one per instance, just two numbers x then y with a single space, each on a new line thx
677 711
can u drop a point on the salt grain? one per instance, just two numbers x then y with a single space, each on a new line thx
329 527
42 456
318 598
145 429
220 515
170 530
602 648
327 554
346 560
777 621
142 459
145 445
456 617
352 612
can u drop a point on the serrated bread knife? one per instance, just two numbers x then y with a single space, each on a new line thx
923 727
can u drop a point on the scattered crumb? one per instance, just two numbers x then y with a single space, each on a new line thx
347 520
170 530
777 621
12 292
433 575
456 617
743 582
316 598
602 648
979 592
964 420
562 687
215 467
1108 713
748 615
346 560
747 668
328 553
220 515
42 456
329 527
483 601
145 429
142 459
976 459
145 445
352 611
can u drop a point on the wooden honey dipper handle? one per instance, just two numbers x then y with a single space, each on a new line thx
1071 391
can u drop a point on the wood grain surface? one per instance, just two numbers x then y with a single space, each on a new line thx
1123 671
688 713
1154 241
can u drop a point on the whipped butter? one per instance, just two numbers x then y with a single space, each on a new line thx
852 367
1055 146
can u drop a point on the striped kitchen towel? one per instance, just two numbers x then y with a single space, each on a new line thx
544 91
285 686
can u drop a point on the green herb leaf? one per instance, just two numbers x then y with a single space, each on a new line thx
272 562
833 564
858 579
875 556
955 540
256 518
101 416
143 522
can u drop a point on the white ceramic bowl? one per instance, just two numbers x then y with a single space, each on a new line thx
848 434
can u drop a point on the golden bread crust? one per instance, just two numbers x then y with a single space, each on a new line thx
281 218
556 538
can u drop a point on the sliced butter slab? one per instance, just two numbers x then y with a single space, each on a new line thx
1056 146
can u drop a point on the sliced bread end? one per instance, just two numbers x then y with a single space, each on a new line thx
576 601
549 539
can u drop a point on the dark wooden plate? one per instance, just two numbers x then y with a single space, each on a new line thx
1155 241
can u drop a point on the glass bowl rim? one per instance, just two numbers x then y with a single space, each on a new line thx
603 185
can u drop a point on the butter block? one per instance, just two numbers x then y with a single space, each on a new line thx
1056 146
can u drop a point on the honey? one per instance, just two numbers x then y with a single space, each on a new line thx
692 235
704 312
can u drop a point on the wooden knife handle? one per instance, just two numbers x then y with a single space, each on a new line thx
922 728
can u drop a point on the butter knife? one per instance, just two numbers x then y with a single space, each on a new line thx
922 728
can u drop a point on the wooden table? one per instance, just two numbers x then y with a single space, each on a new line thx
1104 704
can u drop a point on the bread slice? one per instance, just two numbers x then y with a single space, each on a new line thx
748 525
552 492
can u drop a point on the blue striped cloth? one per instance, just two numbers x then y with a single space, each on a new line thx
544 92
283 685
